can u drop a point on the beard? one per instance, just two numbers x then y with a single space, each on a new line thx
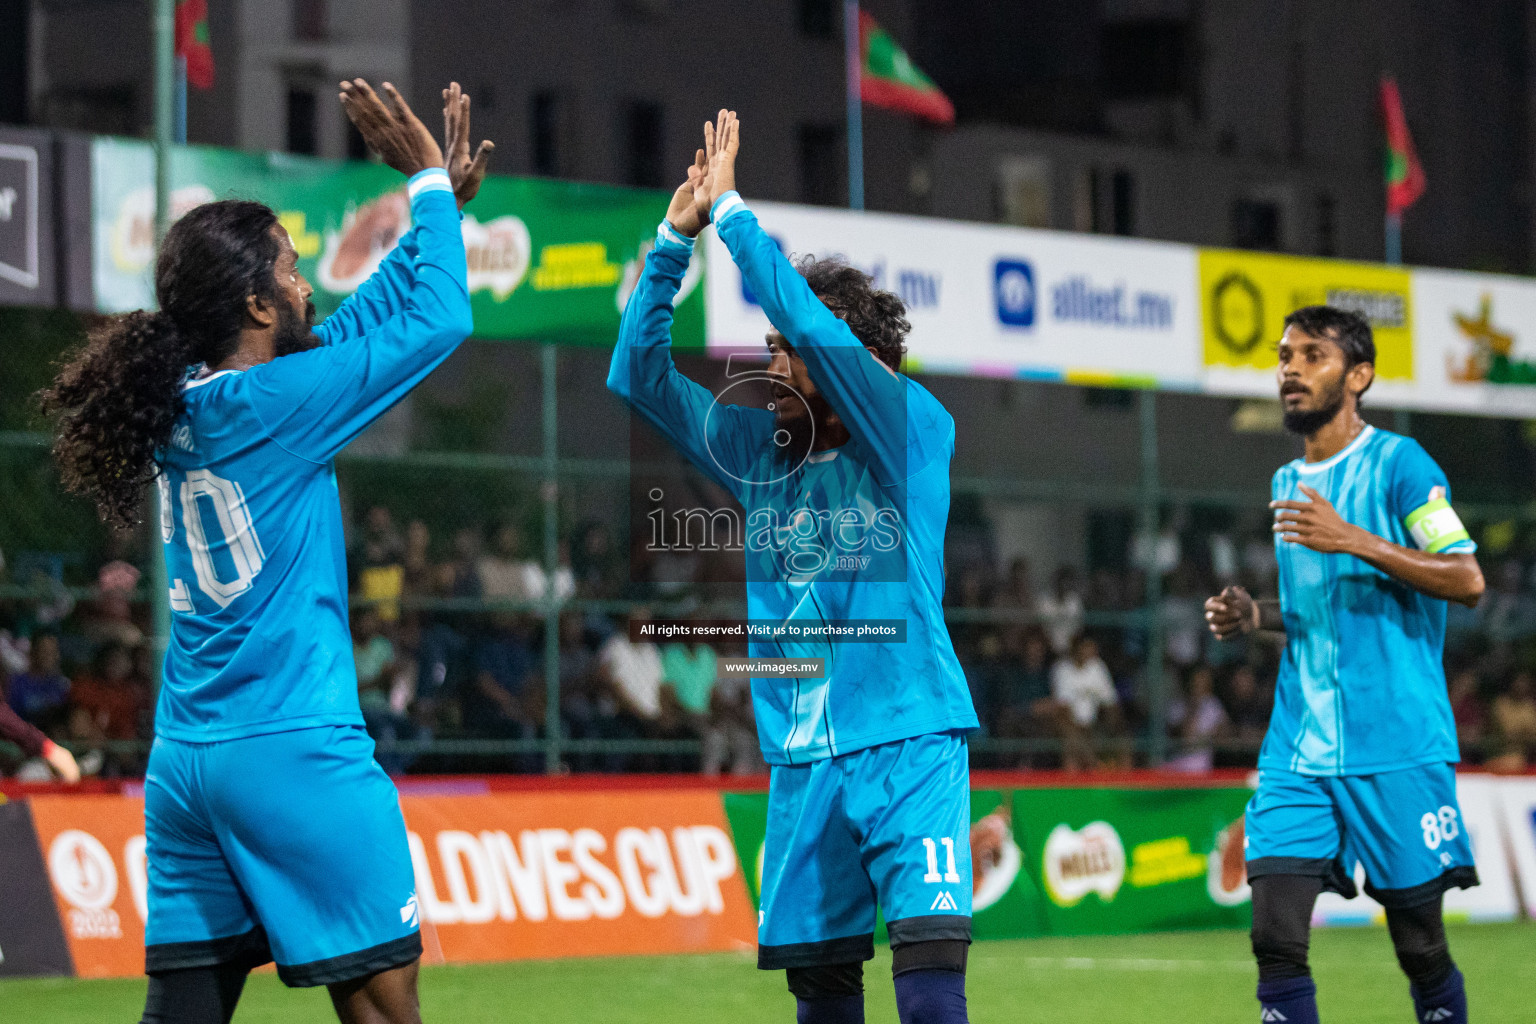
1307 422
295 333
801 430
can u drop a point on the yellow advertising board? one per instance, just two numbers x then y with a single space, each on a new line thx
1245 297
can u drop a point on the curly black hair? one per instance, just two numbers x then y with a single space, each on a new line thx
118 397
877 318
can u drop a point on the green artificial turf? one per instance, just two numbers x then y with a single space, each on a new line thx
1181 978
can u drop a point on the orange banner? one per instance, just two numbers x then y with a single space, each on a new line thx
506 876
94 849
534 875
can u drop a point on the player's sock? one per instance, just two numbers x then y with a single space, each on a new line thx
836 1010
1288 1001
1446 1003
931 997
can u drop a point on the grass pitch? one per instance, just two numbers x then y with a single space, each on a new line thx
1145 979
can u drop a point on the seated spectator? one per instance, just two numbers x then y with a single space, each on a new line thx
416 563
110 703
689 669
731 736
504 667
459 576
109 618
1061 610
1468 710
40 695
1017 591
1248 706
630 674
1081 683
378 565
1021 702
505 574
1195 719
1514 725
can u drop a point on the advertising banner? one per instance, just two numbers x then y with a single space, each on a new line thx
94 849
498 877
1132 860
988 300
1245 296
537 875
548 261
26 219
1517 806
1492 900
31 941
1475 343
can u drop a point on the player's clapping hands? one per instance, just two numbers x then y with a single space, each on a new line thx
391 129
1315 524
683 213
464 171
722 140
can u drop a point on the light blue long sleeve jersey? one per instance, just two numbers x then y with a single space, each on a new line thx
1362 682
250 519
852 533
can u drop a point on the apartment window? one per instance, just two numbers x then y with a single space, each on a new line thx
819 19
1145 59
643 129
823 176
302 134
1256 224
544 128
310 20
1112 199
1327 225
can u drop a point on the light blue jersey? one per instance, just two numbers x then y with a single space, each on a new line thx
851 533
250 518
1362 683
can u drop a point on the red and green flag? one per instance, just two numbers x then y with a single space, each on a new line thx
1405 175
192 41
889 79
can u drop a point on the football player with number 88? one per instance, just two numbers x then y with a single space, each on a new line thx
1362 736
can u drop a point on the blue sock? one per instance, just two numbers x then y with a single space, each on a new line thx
1288 1001
1446 1003
931 997
837 1010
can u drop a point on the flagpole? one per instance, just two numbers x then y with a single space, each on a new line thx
181 99
854 65
1394 238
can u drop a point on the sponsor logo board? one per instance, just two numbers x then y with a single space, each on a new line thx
1245 297
993 300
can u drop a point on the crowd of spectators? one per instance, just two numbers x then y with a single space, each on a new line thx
448 639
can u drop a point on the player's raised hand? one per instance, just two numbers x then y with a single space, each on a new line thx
464 171
1231 612
1315 524
722 141
390 128
683 212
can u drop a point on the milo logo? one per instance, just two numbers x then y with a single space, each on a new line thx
1081 861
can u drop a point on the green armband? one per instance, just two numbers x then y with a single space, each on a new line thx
1435 526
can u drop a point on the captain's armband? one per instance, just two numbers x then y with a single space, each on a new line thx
1436 527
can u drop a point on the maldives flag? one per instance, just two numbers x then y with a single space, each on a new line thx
889 79
192 41
1405 175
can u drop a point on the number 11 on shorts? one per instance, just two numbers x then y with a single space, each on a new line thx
951 875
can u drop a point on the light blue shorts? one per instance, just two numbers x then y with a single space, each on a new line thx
288 847
888 825
1405 827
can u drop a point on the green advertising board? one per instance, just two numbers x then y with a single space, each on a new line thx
1080 861
548 260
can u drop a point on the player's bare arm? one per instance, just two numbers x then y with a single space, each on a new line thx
1316 524
1234 612
465 172
683 212
722 141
